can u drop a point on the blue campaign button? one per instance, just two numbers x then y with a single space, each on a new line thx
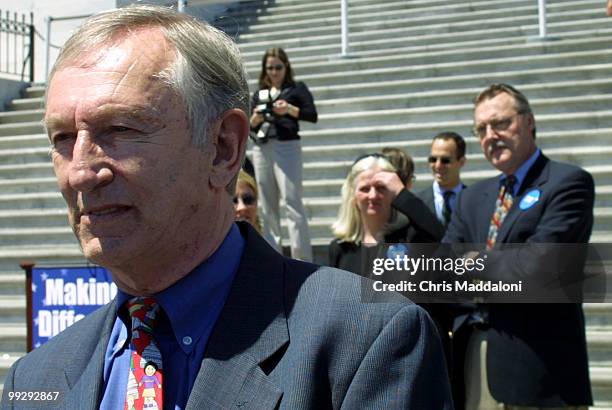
530 199
398 249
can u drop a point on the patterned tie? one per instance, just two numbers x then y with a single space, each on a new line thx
446 207
502 206
144 386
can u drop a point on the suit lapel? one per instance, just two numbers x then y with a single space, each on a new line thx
537 175
251 328
487 199
84 373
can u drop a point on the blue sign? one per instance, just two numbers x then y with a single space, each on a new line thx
63 296
530 199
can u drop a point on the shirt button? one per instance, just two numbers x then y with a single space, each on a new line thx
187 340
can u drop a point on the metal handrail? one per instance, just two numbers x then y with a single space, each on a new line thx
11 30
542 17
49 20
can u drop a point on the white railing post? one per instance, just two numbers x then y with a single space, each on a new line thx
542 17
48 20
344 27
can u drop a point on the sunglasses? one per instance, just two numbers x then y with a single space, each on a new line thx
246 199
432 159
277 67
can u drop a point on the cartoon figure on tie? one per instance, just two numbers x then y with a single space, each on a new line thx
132 390
148 381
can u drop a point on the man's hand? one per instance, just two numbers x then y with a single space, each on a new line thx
390 180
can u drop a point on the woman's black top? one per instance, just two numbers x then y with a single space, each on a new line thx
287 126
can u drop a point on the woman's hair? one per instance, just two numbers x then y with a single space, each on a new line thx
264 81
244 177
349 226
402 161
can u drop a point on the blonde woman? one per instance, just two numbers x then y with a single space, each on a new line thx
245 200
372 194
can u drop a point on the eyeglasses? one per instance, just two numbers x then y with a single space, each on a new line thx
277 67
432 159
500 125
247 199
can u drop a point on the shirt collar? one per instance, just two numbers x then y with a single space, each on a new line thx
193 303
456 189
522 171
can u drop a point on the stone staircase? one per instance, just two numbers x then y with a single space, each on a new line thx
413 70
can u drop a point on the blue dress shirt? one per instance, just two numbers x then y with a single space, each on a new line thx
521 173
439 198
190 309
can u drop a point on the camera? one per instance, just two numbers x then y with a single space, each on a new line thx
265 107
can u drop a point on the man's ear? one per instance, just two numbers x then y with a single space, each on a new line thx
229 135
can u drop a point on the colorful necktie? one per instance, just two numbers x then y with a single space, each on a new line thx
502 206
144 386
446 208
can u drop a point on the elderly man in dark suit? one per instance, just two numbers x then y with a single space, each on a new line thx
521 355
146 113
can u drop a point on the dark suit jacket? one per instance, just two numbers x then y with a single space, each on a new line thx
292 335
536 352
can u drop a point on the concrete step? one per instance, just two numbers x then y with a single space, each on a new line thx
405 24
425 130
414 34
12 283
24 141
35 91
391 115
27 185
28 170
443 70
408 56
12 338
49 254
21 128
21 116
434 98
12 308
273 19
431 42
33 218
37 235
34 200
455 82
26 104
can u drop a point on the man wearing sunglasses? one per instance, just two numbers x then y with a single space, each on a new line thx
446 159
520 355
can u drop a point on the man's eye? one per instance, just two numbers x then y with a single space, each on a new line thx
60 138
119 128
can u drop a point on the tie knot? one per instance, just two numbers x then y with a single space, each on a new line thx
448 195
509 183
143 313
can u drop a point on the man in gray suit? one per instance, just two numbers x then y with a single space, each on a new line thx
446 158
145 112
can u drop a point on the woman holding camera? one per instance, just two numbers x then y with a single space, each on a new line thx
277 155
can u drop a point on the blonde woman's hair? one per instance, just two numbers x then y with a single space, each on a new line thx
349 227
243 176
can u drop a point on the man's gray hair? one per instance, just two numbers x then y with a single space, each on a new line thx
207 73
